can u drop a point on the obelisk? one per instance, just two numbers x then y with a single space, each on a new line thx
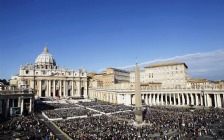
138 99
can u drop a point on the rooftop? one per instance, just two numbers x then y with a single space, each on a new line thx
166 64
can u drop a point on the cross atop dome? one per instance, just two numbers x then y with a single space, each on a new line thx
45 49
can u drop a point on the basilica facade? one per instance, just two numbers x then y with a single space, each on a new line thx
49 80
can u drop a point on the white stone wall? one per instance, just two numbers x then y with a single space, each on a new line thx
170 76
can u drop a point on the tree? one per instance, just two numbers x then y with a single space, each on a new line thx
5 82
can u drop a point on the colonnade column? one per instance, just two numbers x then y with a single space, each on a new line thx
191 96
178 96
150 99
7 108
174 99
215 97
21 108
30 109
219 101
13 103
201 99
19 101
223 100
196 96
206 101
187 98
183 99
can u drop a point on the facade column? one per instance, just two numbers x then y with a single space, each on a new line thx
54 88
178 96
60 86
166 98
78 88
161 99
146 99
174 99
85 89
187 98
49 88
192 100
40 88
72 91
143 97
157 101
170 99
182 96
155 95
21 108
152 98
64 88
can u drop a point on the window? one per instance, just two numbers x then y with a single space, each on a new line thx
27 71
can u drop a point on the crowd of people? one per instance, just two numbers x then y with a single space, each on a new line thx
162 122
72 112
116 122
25 127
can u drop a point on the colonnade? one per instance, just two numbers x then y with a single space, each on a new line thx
22 103
182 98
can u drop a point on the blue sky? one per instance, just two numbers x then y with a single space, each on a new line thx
111 33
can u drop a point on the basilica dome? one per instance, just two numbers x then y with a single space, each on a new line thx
45 59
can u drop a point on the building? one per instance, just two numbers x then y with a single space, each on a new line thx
110 77
165 84
48 79
16 103
170 75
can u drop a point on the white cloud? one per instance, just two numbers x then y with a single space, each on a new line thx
208 65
